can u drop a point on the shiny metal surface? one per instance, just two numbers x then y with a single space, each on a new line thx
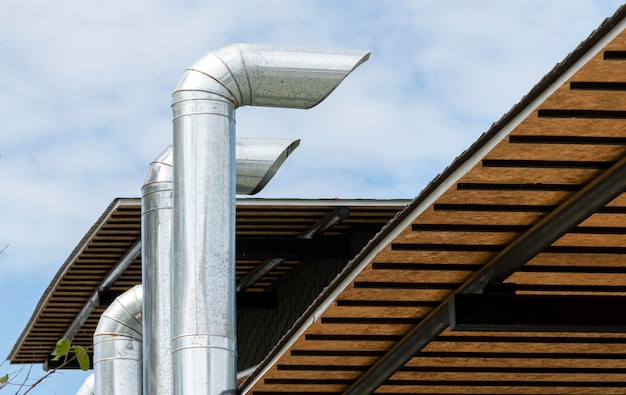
156 235
256 162
203 273
117 346
261 270
203 231
88 386
271 76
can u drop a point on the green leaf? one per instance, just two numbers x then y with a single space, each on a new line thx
82 357
4 379
62 349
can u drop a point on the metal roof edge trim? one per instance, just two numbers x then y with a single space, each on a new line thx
599 38
117 202
321 202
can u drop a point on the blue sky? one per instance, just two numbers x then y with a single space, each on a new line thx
85 91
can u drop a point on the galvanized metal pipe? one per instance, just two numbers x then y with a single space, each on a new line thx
594 196
258 160
203 238
203 315
117 346
261 270
256 163
91 304
156 236
88 386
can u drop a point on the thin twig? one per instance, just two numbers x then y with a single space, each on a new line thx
14 373
30 368
52 371
39 381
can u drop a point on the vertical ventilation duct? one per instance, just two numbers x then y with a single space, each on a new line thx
203 276
156 236
256 161
117 346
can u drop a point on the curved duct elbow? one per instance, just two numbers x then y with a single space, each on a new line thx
160 172
203 202
271 76
118 346
88 386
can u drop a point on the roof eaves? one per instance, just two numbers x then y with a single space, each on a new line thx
67 264
125 202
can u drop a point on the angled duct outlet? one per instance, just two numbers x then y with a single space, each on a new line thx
117 345
203 231
257 161
271 76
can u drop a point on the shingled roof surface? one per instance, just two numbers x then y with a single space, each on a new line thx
566 136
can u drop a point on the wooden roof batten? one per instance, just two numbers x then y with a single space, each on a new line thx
597 194
359 371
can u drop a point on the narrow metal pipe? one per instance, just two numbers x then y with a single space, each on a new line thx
117 345
129 257
156 235
88 386
326 223
246 372
203 232
595 195
120 267
313 231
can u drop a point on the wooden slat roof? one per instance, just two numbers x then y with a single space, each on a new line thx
565 134
119 228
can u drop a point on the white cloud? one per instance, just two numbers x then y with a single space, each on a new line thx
87 85
482 57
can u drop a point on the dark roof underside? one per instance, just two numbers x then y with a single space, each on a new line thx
263 226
